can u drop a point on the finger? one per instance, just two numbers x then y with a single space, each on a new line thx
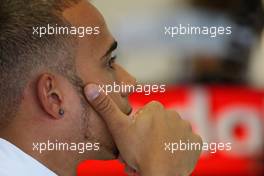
107 109
121 159
173 114
129 170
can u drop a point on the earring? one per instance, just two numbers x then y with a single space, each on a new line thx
61 112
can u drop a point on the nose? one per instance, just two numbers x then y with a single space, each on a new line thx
127 80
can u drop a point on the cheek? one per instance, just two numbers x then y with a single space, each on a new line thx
97 125
73 112
98 74
98 131
72 103
92 71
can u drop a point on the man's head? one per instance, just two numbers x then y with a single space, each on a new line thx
42 75
23 55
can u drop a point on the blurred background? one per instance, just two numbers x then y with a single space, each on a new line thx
217 83
139 29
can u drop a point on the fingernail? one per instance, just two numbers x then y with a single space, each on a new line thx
92 91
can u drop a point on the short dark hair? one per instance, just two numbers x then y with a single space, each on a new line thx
22 53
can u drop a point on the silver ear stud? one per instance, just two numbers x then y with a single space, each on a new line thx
61 112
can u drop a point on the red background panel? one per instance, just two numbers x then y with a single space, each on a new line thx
214 99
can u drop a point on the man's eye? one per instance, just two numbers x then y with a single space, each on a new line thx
111 61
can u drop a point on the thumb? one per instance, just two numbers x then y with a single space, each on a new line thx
107 109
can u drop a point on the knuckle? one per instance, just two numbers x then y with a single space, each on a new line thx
198 138
187 125
155 105
173 114
139 112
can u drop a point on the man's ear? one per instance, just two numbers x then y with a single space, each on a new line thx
50 95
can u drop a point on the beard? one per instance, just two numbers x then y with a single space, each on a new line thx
108 149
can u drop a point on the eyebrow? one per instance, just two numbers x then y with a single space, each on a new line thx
112 48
